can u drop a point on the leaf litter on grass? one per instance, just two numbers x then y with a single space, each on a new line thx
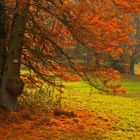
85 125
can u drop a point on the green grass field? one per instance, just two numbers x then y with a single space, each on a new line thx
124 107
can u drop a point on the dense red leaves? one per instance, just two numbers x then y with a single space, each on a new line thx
130 6
27 125
55 28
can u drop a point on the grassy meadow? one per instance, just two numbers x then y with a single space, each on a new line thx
126 108
121 112
88 115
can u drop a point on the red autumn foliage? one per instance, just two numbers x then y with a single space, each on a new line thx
54 30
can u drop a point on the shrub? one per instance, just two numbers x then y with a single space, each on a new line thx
41 99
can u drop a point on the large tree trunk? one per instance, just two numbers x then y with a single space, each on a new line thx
2 37
11 84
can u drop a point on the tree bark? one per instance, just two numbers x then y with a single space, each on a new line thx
2 37
132 66
11 83
136 48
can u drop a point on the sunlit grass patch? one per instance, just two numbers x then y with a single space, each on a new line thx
132 84
123 110
125 107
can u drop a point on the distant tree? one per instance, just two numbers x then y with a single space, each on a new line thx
135 49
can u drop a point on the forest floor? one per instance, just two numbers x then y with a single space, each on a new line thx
87 115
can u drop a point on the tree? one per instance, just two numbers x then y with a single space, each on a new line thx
2 37
42 32
135 49
11 84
